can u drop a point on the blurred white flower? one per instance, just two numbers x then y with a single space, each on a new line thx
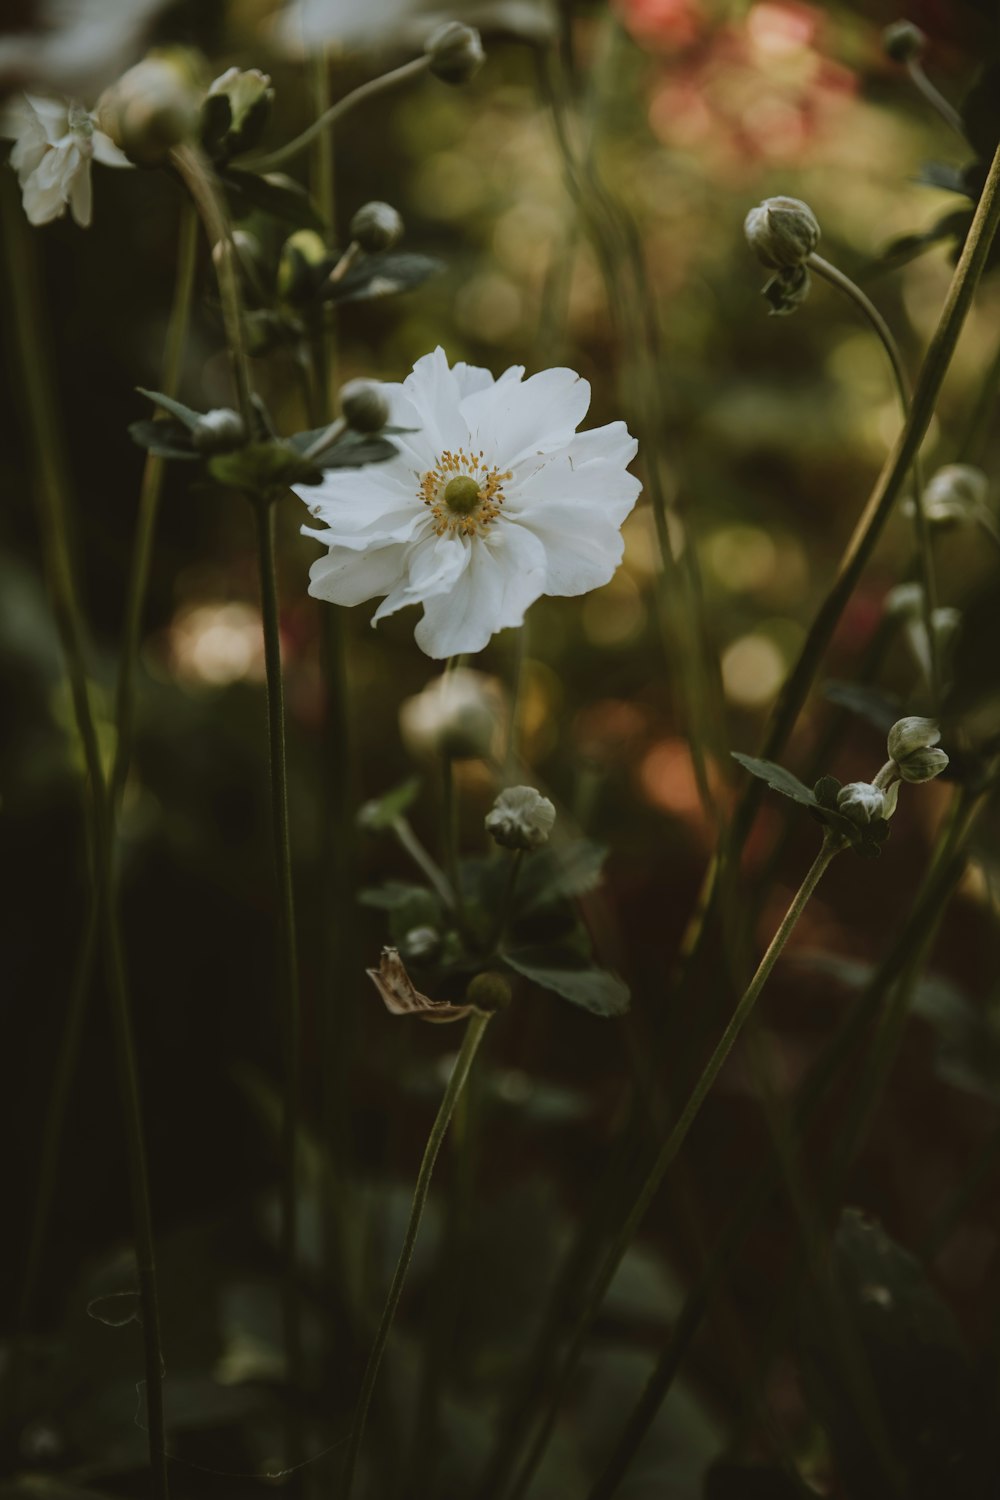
460 714
306 25
493 500
54 142
75 46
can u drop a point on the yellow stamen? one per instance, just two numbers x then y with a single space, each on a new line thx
463 495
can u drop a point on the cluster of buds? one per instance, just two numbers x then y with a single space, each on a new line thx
914 756
783 233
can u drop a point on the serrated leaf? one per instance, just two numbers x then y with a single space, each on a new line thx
163 438
559 874
560 970
777 778
383 811
284 199
877 707
185 414
382 275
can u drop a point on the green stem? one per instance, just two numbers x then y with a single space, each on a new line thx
149 501
52 493
408 840
885 492
948 113
925 551
336 112
666 1155
288 959
474 1032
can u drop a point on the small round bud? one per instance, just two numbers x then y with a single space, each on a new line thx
363 405
455 51
420 943
904 42
955 493
303 258
521 818
923 765
376 226
152 108
459 715
782 232
219 431
862 802
490 991
913 733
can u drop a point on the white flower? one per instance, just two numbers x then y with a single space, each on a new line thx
54 141
75 46
307 25
493 500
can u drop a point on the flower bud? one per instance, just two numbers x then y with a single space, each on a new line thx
782 232
420 943
521 818
153 107
904 42
458 715
910 734
489 991
219 431
376 226
905 601
923 765
455 51
235 111
303 258
787 290
862 802
955 493
363 405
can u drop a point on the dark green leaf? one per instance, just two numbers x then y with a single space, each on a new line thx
382 275
350 451
777 778
282 197
879 708
825 791
383 811
558 874
216 120
261 468
560 970
164 438
185 414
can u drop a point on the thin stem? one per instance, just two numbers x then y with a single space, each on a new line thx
53 502
668 1151
288 959
925 551
334 113
149 501
948 113
403 830
474 1032
200 181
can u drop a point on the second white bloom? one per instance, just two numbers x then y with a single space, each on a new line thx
493 500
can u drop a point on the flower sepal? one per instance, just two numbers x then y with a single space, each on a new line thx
825 804
234 112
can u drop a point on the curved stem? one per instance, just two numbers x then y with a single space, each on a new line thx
668 1151
474 1031
52 495
149 501
948 113
333 114
925 551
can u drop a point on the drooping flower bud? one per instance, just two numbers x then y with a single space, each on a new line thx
862 802
521 818
923 765
153 107
363 405
904 42
376 226
782 232
455 52
219 431
911 744
235 112
459 715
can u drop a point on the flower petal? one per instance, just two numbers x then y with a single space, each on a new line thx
377 503
433 566
51 114
505 574
350 578
516 418
107 153
80 197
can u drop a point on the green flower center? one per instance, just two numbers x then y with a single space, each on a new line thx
461 494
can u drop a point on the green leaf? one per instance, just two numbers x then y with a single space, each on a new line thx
981 112
943 174
185 414
560 970
383 811
279 196
877 707
558 874
777 778
260 468
349 451
216 121
164 438
382 275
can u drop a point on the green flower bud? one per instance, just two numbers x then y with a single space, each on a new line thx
521 818
455 52
904 42
376 226
235 111
303 259
153 107
908 735
219 431
364 406
861 802
489 991
782 232
923 765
